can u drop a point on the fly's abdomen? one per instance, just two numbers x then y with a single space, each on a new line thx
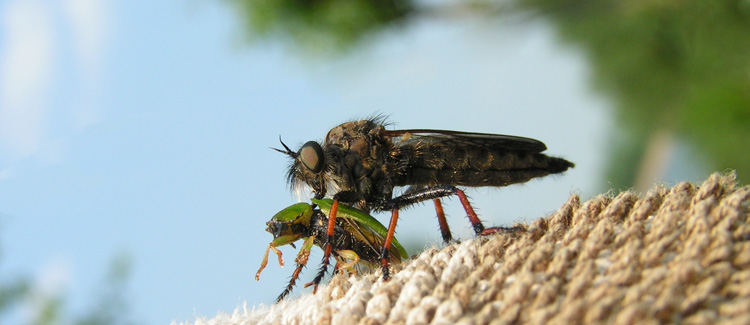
477 166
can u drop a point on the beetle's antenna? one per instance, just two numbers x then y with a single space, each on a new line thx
287 152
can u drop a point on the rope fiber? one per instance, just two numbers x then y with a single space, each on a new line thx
675 255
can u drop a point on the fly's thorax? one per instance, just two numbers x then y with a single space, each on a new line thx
357 137
354 129
361 156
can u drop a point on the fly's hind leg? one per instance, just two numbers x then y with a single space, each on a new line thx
437 192
431 193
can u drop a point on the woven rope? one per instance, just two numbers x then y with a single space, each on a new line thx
674 255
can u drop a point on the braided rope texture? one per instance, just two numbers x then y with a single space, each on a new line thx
679 255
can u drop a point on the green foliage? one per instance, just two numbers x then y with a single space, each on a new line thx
110 306
677 66
11 293
321 24
680 66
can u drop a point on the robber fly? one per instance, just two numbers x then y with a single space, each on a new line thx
357 237
361 162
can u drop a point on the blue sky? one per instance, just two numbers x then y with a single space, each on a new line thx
143 128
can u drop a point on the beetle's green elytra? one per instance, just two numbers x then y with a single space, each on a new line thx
356 236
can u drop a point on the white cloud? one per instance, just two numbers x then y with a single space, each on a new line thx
30 61
26 69
88 20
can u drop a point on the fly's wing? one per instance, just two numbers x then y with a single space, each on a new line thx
494 142
364 226
425 157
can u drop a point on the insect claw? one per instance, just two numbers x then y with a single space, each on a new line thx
315 286
490 231
495 230
386 273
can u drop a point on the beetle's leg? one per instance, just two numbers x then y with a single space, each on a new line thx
384 254
302 257
327 246
290 286
346 254
265 260
445 231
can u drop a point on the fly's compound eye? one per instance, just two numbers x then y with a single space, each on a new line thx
312 156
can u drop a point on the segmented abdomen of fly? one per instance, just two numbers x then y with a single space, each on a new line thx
462 164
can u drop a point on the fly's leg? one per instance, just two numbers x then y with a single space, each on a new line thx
327 246
445 231
302 257
265 260
384 256
437 192
475 222
432 193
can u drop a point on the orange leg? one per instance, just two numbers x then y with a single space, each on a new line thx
445 231
384 260
328 248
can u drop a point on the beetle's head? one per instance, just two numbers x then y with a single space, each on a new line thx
290 224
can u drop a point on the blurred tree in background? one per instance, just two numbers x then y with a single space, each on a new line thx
321 25
676 70
12 293
110 306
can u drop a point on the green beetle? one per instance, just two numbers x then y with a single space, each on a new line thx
357 237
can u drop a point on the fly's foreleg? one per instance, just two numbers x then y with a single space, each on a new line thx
327 246
384 254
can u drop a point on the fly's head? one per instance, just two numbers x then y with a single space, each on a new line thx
290 224
308 167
